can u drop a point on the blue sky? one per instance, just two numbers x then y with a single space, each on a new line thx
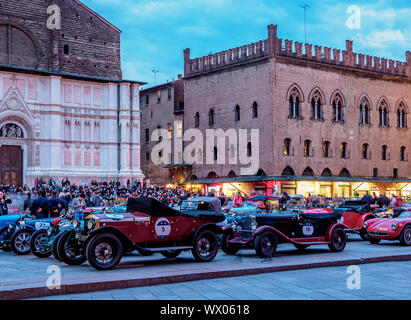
156 32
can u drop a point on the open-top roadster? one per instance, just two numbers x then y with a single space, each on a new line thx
147 225
264 232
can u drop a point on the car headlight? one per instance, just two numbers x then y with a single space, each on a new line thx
49 232
394 226
365 225
75 224
90 224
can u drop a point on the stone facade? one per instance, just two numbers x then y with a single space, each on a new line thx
273 76
79 119
162 107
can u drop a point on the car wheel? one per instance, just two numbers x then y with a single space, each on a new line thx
171 253
4 239
265 244
374 240
364 234
145 253
300 247
227 247
338 240
70 250
39 244
20 241
405 237
104 251
54 245
205 246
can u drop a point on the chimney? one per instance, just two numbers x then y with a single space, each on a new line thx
187 61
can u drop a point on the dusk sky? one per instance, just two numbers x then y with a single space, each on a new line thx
154 33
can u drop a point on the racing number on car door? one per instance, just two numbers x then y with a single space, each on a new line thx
165 228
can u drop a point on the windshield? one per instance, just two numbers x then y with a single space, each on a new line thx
249 204
189 205
405 214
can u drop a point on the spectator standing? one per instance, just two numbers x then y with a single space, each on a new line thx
4 201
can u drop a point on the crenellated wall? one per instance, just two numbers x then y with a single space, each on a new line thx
274 46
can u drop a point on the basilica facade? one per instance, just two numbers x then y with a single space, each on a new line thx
65 110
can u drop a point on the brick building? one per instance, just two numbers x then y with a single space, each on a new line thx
162 107
331 122
65 110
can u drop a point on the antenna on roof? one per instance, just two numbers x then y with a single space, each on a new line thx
305 6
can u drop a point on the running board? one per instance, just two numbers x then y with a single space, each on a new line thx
167 248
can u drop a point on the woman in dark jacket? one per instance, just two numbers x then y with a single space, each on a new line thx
4 201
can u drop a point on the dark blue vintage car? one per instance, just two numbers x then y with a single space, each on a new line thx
16 230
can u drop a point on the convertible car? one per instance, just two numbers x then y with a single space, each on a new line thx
148 225
396 228
264 232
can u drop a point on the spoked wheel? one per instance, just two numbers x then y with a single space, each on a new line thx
338 240
104 251
265 244
405 237
20 241
226 246
70 250
205 246
54 245
171 253
4 239
40 244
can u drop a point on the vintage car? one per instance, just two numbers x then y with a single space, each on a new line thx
263 232
354 214
397 227
148 225
16 235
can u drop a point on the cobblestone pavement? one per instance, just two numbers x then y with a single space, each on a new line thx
380 281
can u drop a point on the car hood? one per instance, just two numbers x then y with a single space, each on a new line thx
120 217
386 223
11 218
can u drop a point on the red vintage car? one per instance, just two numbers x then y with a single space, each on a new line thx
396 228
354 214
147 226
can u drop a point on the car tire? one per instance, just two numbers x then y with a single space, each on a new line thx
374 240
338 240
145 253
364 234
405 236
301 247
71 258
226 246
107 242
5 236
20 241
171 253
54 245
34 244
205 246
265 244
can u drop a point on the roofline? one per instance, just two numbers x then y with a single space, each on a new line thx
98 16
294 178
65 75
159 86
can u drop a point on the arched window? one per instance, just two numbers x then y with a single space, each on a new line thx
344 151
345 173
401 116
326 149
384 152
261 173
365 112
237 113
307 148
197 120
316 106
337 103
294 103
249 149
212 175
287 147
383 114
403 153
66 50
211 118
255 110
365 151
326 173
232 174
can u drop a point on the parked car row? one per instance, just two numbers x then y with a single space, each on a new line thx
200 225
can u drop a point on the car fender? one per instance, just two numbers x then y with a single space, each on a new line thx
107 229
28 227
362 218
262 229
331 229
209 226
